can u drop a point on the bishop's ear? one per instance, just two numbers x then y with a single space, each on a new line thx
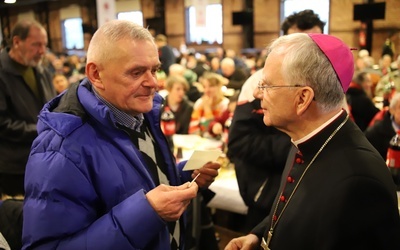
304 99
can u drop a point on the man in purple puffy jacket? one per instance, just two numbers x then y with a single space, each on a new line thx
100 174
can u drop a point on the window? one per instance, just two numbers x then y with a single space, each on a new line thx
134 16
73 33
320 7
211 32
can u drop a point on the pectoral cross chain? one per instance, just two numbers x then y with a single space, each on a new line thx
264 244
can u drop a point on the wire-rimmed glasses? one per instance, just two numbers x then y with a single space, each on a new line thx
262 87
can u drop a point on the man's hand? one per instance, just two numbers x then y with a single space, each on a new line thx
208 173
171 201
247 242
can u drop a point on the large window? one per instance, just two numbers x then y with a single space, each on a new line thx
73 33
208 32
320 7
134 16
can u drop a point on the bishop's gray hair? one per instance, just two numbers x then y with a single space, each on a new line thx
305 64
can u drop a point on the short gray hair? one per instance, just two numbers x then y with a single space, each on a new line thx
393 102
102 44
305 64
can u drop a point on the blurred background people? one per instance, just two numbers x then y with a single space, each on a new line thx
165 53
362 108
389 46
195 89
25 86
236 75
381 131
177 109
60 83
209 106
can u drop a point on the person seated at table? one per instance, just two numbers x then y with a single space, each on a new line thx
215 65
234 74
380 133
178 103
220 126
60 83
362 108
177 108
194 92
211 105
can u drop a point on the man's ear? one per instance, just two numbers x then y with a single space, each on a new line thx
93 74
15 41
304 99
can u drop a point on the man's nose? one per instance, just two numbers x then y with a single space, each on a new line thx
42 49
257 93
151 80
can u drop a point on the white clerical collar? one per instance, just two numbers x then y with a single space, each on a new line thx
317 130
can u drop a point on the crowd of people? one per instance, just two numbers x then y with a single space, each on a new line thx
84 143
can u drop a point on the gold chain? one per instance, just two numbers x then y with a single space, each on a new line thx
273 225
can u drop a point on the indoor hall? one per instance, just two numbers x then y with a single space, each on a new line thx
237 29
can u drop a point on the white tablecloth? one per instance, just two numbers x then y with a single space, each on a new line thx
227 196
225 187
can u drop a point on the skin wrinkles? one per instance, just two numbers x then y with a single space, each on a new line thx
275 109
130 83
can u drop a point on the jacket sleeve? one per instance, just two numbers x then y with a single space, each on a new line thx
251 140
237 80
65 213
14 129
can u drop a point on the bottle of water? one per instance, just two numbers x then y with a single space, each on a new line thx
393 158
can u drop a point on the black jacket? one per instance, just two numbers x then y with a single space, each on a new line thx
346 199
361 106
380 133
259 153
11 222
182 115
19 109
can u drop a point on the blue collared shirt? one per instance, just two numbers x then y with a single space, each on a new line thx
122 118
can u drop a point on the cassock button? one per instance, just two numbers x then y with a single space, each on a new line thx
274 217
290 179
299 160
282 198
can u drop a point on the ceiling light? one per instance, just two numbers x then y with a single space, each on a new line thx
9 1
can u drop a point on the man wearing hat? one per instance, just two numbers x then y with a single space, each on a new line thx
336 191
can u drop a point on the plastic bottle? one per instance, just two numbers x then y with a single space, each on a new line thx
393 158
168 124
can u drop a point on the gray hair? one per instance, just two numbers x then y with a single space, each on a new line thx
103 43
23 27
305 64
228 62
176 79
393 102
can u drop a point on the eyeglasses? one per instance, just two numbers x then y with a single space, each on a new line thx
262 87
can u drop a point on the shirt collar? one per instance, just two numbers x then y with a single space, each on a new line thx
122 118
307 137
